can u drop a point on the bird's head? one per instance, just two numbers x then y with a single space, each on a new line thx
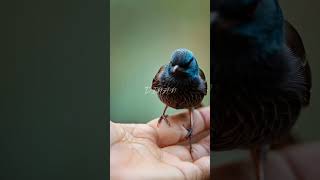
247 17
183 64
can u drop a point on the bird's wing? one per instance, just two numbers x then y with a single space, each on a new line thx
156 79
203 77
295 44
294 41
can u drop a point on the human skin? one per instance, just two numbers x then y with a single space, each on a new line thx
143 151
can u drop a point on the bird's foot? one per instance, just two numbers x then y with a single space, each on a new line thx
165 117
188 137
189 133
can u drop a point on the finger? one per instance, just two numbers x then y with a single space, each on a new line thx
176 132
179 151
200 169
204 165
196 138
199 150
116 133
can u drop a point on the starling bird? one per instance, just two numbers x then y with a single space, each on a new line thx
260 76
181 84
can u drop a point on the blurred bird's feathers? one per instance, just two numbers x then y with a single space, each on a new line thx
294 41
261 77
249 114
296 47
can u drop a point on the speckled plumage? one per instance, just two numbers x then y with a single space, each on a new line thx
185 94
187 90
181 84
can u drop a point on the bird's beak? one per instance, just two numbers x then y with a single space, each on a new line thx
175 68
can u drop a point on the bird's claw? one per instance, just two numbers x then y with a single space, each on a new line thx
189 133
188 137
165 117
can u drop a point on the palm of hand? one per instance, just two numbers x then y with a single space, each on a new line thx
144 151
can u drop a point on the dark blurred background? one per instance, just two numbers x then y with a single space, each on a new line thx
304 16
54 87
143 36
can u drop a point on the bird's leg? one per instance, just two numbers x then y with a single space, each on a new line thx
164 116
189 133
259 157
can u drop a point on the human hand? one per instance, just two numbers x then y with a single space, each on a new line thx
143 151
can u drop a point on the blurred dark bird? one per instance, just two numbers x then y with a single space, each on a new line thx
260 77
181 84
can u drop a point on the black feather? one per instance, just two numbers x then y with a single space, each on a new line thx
260 80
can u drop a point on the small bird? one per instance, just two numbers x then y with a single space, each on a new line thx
181 84
260 77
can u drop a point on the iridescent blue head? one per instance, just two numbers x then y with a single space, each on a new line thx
183 64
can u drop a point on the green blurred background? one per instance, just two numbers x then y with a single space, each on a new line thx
143 35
